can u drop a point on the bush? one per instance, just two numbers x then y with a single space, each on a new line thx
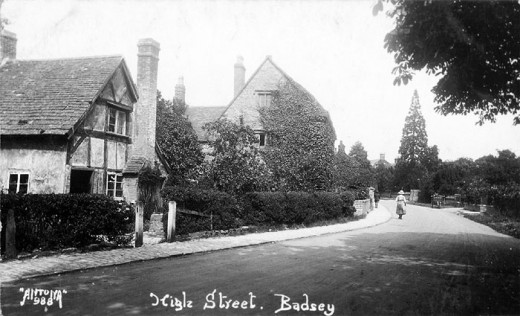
54 221
295 208
222 206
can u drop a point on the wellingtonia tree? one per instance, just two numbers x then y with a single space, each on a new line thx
474 46
416 160
177 140
300 145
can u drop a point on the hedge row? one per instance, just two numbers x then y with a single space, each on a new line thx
54 221
256 208
223 208
294 208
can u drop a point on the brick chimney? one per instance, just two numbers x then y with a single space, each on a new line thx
180 90
7 45
381 156
240 75
145 108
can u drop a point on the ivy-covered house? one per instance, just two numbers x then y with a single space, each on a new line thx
76 125
248 98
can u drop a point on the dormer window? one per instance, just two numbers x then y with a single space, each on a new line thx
117 122
262 138
264 98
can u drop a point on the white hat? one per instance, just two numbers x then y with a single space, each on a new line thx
400 192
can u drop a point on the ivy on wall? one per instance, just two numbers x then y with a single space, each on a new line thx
300 149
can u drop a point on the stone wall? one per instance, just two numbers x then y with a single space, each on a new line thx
362 207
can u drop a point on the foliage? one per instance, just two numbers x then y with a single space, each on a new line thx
452 176
300 138
54 221
149 182
295 208
343 169
473 45
177 140
384 177
3 21
221 206
363 174
236 166
416 161
503 169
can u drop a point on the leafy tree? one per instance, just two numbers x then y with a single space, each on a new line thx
3 21
344 170
452 176
236 166
362 172
502 169
177 140
474 46
300 149
384 177
416 160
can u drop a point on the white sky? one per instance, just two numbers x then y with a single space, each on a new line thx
333 48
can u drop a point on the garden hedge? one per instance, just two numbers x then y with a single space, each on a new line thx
294 208
55 221
221 206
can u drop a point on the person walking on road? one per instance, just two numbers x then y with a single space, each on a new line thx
401 203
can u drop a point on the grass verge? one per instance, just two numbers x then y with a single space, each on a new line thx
498 222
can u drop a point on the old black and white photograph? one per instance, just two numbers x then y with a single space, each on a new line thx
239 157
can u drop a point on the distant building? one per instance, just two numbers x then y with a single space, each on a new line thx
380 161
76 125
248 97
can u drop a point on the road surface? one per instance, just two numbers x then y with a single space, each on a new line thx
432 262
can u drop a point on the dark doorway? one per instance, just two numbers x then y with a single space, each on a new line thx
80 181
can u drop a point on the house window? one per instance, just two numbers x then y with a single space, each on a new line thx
18 182
117 122
115 185
264 98
261 139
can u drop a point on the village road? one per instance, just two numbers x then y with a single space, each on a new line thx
432 262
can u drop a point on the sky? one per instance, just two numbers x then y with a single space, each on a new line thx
335 49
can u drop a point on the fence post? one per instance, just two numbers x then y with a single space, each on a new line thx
10 236
139 224
172 214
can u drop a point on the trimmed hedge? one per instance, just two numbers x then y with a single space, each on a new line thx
55 221
222 206
294 208
255 208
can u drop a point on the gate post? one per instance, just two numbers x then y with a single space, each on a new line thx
139 224
10 236
172 214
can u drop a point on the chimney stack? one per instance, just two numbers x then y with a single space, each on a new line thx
7 45
381 156
180 90
240 75
145 108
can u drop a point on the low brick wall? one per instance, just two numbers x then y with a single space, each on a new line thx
482 208
362 207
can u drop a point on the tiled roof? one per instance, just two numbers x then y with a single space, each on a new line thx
50 96
200 115
134 165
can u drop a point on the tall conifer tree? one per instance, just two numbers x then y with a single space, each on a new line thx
414 151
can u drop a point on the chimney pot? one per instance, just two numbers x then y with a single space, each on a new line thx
145 108
240 75
7 45
180 90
